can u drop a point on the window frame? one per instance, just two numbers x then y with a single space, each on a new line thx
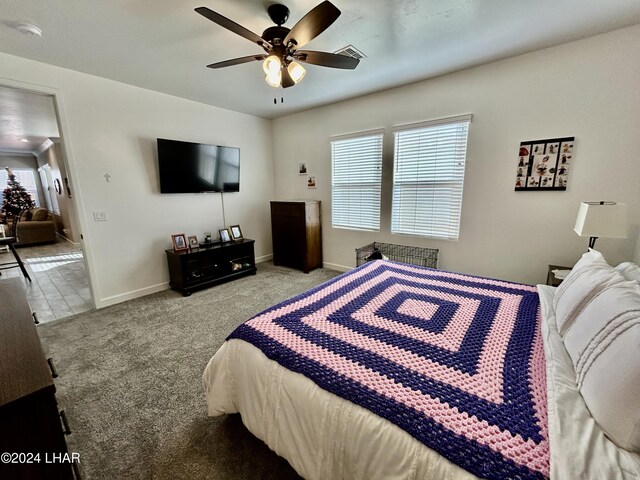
18 171
373 188
440 187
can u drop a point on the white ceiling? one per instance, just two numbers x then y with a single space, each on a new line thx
27 120
164 45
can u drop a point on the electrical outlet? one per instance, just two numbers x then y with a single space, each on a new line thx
100 216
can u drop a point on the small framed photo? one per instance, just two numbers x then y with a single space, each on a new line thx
311 181
302 169
179 241
224 235
236 233
193 241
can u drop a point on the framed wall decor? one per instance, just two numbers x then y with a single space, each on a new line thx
236 233
311 181
224 235
179 241
302 169
544 164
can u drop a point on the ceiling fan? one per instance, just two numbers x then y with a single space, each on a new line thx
281 44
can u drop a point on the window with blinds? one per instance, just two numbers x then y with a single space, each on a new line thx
26 178
429 165
356 170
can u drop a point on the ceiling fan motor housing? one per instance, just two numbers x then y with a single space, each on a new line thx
278 13
275 35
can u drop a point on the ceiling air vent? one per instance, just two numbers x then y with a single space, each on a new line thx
350 51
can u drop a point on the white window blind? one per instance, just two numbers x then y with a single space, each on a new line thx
356 170
429 165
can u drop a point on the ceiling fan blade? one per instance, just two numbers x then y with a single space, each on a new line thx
230 25
326 59
287 81
237 61
312 24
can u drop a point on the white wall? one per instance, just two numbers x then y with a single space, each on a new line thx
65 222
587 89
111 128
18 160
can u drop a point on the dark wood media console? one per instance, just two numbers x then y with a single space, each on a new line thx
207 266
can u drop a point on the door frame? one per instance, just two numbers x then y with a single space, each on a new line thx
67 151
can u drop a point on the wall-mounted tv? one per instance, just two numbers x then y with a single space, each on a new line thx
187 167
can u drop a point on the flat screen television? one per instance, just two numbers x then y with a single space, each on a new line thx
187 167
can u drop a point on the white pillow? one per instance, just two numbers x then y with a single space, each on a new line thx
591 274
629 271
604 344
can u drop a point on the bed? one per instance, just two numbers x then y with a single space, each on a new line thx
400 372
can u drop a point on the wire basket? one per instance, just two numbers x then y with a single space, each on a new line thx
424 257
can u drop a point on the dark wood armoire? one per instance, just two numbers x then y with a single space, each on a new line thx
297 234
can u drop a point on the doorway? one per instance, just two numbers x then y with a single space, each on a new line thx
30 144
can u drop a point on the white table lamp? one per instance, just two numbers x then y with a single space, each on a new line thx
601 219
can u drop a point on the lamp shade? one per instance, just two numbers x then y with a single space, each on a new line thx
602 219
274 79
271 65
296 71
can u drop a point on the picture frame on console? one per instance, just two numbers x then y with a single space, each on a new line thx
193 241
236 233
179 241
224 235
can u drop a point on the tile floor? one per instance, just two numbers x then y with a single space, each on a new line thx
59 286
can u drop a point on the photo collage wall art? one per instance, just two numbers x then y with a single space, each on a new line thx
544 164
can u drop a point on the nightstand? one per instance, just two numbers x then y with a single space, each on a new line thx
551 278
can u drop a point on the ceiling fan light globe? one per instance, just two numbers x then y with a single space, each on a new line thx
271 65
296 71
274 79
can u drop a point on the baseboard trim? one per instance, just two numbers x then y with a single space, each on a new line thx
264 258
123 297
75 244
335 266
331 266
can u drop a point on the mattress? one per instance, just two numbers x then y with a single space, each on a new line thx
325 436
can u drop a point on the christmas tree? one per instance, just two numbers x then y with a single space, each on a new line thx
15 196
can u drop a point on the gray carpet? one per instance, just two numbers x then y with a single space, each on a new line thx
130 382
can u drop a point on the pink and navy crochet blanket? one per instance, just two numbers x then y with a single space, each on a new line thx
456 361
